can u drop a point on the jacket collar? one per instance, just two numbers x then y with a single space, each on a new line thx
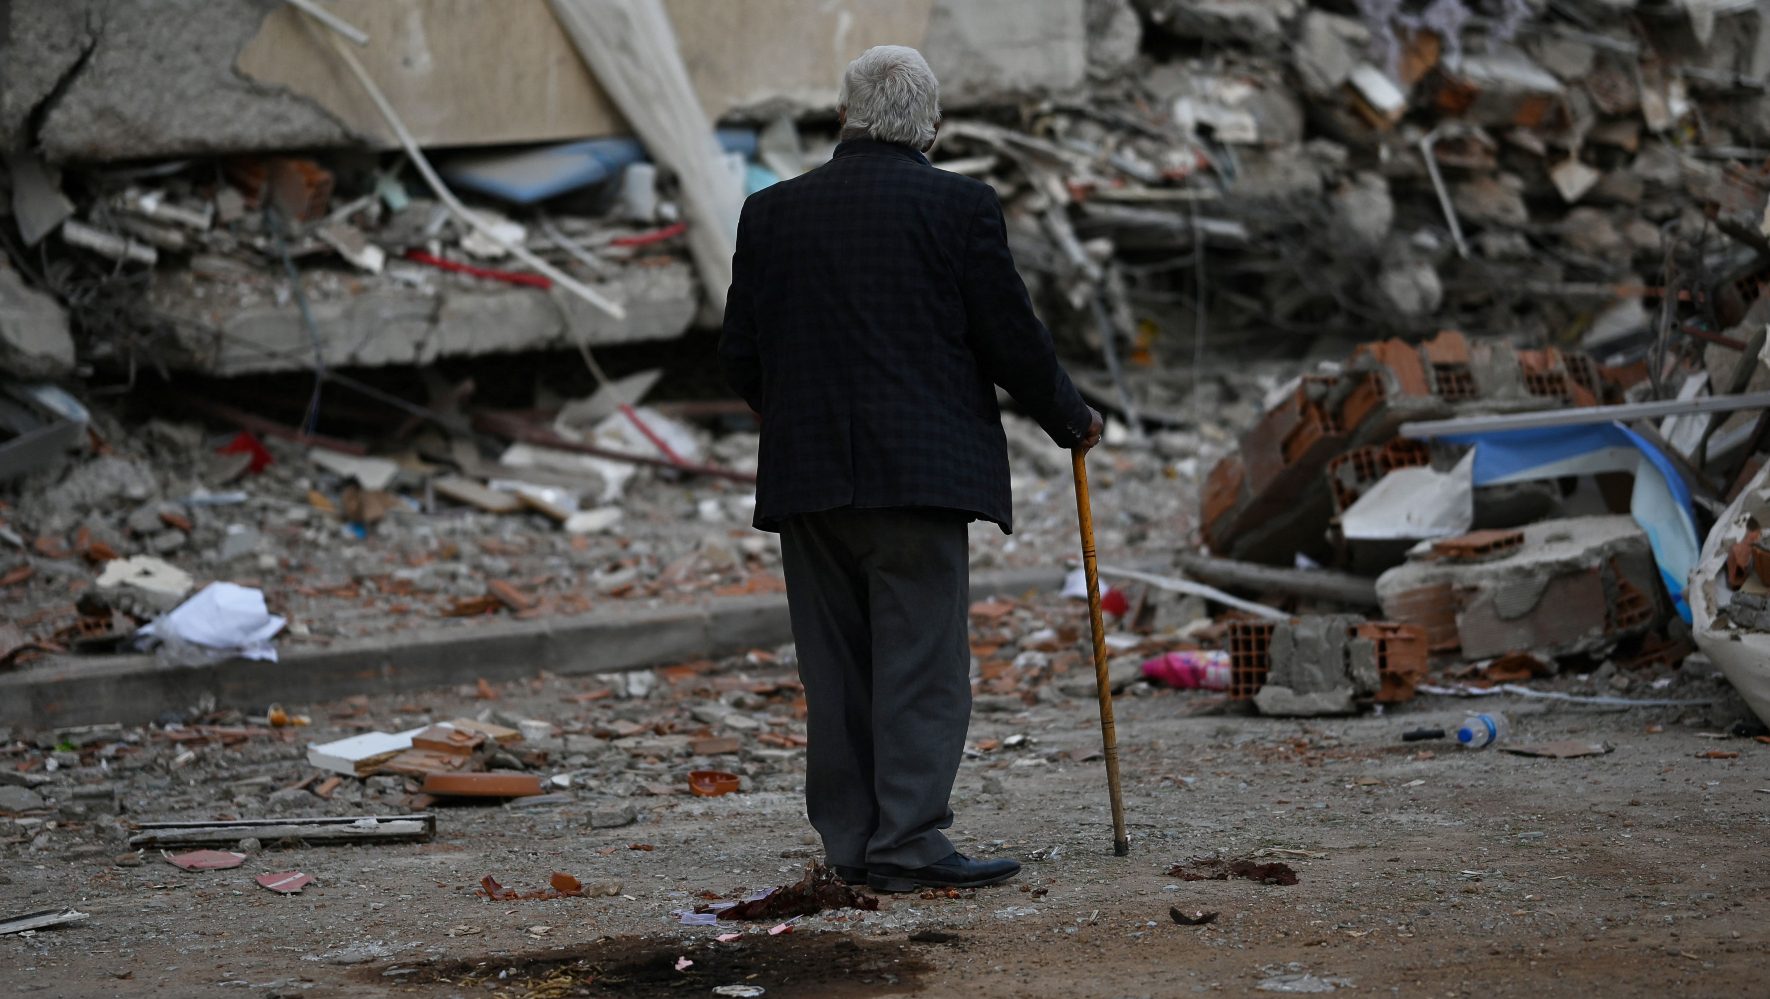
873 147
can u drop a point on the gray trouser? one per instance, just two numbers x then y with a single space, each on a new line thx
879 601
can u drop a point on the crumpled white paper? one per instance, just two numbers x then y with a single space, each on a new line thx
223 620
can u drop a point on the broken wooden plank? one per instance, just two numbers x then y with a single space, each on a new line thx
364 829
1317 584
42 919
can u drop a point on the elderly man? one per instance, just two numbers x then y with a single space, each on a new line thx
873 309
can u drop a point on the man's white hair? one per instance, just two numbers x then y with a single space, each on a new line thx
890 95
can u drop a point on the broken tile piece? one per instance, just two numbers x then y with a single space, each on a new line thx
206 860
285 882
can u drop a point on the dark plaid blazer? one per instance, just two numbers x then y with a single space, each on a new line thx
873 307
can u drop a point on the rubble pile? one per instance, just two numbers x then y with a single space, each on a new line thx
1501 169
263 264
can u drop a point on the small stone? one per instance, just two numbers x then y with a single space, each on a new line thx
128 860
249 845
613 816
19 799
740 722
167 542
293 799
239 542
709 714
383 785
145 521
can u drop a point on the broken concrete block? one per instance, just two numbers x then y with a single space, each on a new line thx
1114 33
1750 611
101 483
1576 585
239 542
1574 179
34 339
1328 48
1411 287
19 799
166 542
613 816
1309 655
1363 210
38 206
144 582
1589 231
1259 24
982 50
1492 201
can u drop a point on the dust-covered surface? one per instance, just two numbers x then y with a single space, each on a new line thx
426 562
1422 869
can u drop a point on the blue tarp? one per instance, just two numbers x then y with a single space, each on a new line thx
1661 502
525 176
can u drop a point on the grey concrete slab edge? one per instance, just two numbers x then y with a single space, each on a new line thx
135 689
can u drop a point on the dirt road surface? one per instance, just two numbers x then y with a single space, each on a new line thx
1423 870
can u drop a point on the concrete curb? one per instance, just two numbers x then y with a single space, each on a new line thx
136 689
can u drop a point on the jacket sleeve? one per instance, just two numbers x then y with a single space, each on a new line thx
738 355
1010 343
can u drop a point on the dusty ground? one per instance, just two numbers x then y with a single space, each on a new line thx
1424 871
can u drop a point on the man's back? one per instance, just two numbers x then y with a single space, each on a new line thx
873 302
874 307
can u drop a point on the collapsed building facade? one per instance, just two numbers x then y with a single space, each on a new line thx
1425 212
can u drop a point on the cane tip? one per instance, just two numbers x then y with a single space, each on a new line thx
1121 848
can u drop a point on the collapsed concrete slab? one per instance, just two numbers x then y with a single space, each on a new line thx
255 329
1571 586
132 80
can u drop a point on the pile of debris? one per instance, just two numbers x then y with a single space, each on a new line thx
1283 167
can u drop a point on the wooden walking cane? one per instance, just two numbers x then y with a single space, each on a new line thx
1121 845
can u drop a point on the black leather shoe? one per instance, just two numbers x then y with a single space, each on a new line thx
956 871
851 875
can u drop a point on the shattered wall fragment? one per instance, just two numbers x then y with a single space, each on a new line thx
1577 585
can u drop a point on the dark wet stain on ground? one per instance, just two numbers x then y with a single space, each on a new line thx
791 966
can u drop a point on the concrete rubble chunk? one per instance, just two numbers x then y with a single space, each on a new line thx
19 799
613 816
1364 210
34 339
1411 287
101 483
145 581
1259 24
1576 585
1114 33
1591 232
986 49
1491 200
149 86
1329 47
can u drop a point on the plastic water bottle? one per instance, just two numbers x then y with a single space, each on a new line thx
1479 731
